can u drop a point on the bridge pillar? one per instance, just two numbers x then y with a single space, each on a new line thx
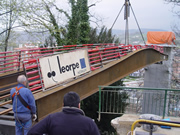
157 76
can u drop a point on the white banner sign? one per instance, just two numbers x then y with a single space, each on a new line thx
58 68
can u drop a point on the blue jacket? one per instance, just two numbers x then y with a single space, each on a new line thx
71 121
27 95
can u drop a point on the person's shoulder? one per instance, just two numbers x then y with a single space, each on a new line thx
87 119
53 116
12 90
26 89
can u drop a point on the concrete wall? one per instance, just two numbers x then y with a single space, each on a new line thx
157 76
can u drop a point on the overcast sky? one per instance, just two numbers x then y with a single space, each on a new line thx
152 14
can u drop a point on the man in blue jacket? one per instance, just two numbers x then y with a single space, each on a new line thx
24 107
71 121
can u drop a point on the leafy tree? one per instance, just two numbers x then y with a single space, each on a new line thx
102 36
84 27
78 25
72 35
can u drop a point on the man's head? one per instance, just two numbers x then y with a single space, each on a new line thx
22 79
72 99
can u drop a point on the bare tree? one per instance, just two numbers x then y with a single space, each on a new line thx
44 16
176 11
176 2
10 11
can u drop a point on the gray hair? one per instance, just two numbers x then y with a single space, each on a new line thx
21 79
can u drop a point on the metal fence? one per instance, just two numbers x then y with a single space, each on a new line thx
128 100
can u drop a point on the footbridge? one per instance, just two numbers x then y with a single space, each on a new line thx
109 63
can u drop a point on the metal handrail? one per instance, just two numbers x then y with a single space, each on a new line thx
139 88
29 53
153 122
164 98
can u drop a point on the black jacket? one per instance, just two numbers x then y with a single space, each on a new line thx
71 121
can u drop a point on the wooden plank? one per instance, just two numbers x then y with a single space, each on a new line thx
4 103
5 111
5 91
8 85
7 105
7 96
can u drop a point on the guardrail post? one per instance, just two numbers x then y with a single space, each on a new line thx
40 75
119 50
19 60
165 99
100 55
99 116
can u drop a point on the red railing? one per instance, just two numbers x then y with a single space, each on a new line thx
9 61
32 71
98 56
12 60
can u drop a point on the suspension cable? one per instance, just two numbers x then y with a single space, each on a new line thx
134 18
116 17
138 25
114 22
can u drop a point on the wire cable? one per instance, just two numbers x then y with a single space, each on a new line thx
137 24
114 22
116 17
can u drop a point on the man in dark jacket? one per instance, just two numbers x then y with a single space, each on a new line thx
71 121
24 106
